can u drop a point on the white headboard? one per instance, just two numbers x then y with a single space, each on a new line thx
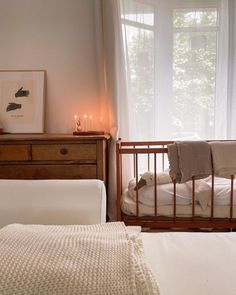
52 202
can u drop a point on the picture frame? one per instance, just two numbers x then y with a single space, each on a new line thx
22 99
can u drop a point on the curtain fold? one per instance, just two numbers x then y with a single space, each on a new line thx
232 71
222 74
225 109
114 91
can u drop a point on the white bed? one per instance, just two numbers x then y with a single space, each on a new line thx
193 263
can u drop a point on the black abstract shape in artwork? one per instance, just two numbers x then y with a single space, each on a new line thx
13 106
22 93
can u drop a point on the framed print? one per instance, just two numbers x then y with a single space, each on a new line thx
22 101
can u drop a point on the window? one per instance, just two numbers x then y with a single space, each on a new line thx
172 55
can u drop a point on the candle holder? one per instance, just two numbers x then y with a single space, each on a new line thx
87 133
87 124
78 126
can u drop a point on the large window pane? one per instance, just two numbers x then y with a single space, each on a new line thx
137 12
139 49
194 71
140 68
206 17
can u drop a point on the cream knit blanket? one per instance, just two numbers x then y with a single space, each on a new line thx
73 259
224 158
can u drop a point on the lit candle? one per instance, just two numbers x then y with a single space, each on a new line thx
101 123
90 122
76 118
85 123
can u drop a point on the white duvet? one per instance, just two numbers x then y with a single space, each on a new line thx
164 194
193 263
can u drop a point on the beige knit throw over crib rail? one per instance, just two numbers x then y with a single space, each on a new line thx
188 159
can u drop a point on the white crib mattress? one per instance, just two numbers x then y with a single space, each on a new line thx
128 206
193 263
222 188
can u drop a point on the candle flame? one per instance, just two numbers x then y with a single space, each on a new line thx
90 117
85 116
76 117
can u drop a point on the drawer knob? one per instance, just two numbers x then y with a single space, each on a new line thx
63 151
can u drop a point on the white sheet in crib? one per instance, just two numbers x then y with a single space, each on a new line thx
183 193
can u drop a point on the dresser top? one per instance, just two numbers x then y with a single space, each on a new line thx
41 137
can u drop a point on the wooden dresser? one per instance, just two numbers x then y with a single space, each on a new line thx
53 156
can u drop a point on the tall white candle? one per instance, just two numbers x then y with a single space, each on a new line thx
76 118
85 123
101 123
90 122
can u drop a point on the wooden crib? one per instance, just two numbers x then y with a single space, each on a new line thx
157 151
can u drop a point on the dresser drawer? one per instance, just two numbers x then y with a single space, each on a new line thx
64 152
48 171
14 153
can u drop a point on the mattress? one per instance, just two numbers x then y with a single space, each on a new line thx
128 206
165 200
222 188
192 263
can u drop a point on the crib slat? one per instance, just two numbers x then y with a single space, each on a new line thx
212 194
121 172
174 182
155 184
193 197
134 163
148 159
136 178
118 182
232 197
163 160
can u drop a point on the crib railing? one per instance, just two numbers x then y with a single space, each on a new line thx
159 149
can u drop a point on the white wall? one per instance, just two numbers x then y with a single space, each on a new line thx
57 36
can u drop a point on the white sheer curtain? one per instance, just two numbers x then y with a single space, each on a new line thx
232 71
180 73
114 100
